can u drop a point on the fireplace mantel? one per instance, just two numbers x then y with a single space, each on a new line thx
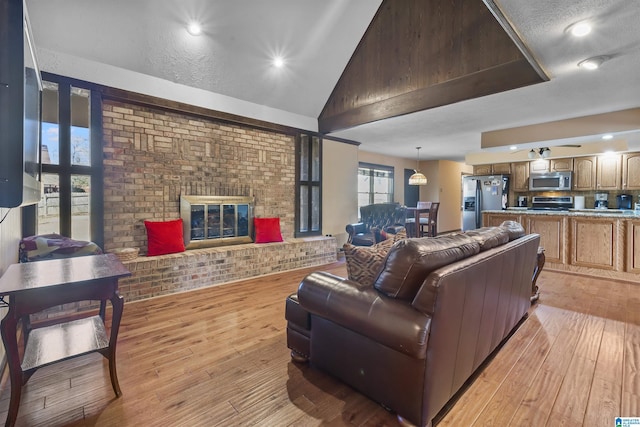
216 220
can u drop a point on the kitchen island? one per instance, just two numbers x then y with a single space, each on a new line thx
595 242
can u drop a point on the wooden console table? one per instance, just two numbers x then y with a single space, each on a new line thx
36 286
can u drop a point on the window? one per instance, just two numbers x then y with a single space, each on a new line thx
375 184
309 195
71 202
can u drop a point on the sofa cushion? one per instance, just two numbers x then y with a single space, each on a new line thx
364 262
410 261
489 237
515 229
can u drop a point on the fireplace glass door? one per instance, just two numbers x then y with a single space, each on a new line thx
216 220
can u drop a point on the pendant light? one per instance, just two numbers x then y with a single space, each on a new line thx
417 178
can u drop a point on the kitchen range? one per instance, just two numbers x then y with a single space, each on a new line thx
555 203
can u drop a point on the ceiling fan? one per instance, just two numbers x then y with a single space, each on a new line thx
544 152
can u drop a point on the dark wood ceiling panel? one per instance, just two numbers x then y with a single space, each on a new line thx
419 54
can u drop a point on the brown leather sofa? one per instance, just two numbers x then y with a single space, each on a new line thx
439 307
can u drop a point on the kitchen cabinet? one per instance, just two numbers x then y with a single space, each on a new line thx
493 169
608 172
501 168
600 244
631 171
595 242
482 169
561 165
520 176
495 219
538 166
584 173
552 235
633 246
553 165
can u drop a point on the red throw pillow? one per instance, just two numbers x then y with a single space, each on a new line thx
164 237
267 230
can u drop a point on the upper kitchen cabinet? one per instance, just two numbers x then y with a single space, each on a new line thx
538 166
584 173
608 172
482 169
561 165
631 171
495 169
501 168
520 176
553 165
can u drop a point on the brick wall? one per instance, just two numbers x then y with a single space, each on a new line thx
151 156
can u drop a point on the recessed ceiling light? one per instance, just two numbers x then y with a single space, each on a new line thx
194 29
278 62
607 136
513 147
579 29
592 63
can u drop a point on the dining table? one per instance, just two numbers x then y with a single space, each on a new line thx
417 214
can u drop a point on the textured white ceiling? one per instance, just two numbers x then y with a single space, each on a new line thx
233 55
317 39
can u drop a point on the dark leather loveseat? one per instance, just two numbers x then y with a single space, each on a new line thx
438 308
374 219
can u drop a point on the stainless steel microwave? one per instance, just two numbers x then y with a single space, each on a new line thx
550 181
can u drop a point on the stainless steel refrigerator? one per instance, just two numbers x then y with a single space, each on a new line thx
481 193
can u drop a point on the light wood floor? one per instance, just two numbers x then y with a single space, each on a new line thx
218 357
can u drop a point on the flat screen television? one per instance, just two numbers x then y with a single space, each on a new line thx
20 109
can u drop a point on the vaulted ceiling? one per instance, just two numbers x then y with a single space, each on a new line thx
400 66
421 54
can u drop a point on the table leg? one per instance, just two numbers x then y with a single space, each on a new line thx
535 293
103 307
8 328
117 303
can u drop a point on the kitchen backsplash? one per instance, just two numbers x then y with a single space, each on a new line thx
589 196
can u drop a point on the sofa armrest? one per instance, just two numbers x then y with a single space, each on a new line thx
394 229
358 227
364 310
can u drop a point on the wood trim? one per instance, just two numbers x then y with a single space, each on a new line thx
515 37
182 108
504 77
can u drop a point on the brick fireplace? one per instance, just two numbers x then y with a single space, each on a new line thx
152 156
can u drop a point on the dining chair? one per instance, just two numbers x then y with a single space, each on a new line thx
417 230
431 224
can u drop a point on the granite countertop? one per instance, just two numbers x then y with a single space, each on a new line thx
573 212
